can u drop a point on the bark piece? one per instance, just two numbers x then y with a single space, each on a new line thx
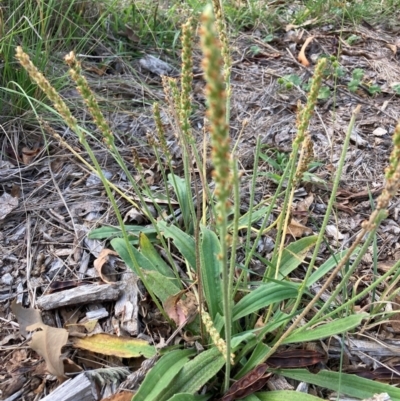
80 295
80 388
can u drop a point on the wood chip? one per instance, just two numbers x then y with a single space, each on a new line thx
80 295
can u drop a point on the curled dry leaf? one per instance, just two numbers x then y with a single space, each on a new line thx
48 343
302 55
99 263
28 155
181 310
297 230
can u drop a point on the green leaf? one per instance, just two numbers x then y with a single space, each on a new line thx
251 397
294 254
258 356
210 271
351 385
358 74
163 287
161 375
324 93
264 295
108 232
327 266
184 242
337 326
188 397
195 373
120 247
283 395
183 195
248 220
148 250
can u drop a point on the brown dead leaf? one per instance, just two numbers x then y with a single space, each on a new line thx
179 309
48 343
393 48
302 55
28 155
99 263
297 230
303 207
25 316
124 396
15 191
248 384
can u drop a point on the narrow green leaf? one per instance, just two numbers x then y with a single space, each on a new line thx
182 194
263 296
294 254
251 397
326 267
258 356
283 395
183 241
195 373
108 232
188 397
148 250
161 375
337 326
350 385
210 271
247 220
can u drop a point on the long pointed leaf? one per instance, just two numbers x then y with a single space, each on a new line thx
337 326
263 296
210 271
148 250
161 375
195 373
350 385
183 241
294 254
283 395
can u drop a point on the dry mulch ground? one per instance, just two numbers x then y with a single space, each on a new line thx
50 201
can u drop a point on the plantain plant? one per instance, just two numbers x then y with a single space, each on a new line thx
240 322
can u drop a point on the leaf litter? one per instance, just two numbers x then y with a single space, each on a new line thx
57 222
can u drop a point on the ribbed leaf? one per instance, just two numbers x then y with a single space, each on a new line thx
337 326
188 397
284 395
148 250
183 195
350 385
294 254
108 232
161 375
324 269
195 373
210 271
263 296
120 247
183 241
163 287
